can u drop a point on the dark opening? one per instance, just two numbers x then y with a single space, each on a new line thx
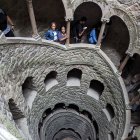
95 89
48 111
75 73
132 68
74 107
18 12
28 91
47 11
96 129
28 84
87 114
117 38
16 112
74 77
90 10
51 75
97 86
111 136
110 110
50 80
59 106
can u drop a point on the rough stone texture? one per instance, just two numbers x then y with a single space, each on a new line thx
128 11
33 59
21 58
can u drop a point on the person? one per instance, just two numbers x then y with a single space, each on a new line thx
62 36
4 21
52 33
93 36
79 30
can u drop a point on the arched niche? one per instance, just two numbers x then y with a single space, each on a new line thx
47 11
50 80
96 89
18 12
91 11
109 112
131 24
117 39
111 136
74 77
28 91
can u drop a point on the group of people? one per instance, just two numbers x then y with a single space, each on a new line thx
55 35
78 33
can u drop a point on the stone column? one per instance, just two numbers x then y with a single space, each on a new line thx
123 64
32 18
104 21
68 31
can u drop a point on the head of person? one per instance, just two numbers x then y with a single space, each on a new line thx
53 26
83 20
63 29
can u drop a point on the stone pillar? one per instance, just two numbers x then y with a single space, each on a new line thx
104 21
68 31
122 65
32 18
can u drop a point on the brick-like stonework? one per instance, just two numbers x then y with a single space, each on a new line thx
21 59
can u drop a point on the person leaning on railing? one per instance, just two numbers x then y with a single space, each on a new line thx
52 33
6 24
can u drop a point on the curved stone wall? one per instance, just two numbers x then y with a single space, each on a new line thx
128 11
83 64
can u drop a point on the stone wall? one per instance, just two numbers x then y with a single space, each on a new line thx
23 58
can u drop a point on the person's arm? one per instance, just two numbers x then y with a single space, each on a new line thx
81 33
47 35
63 38
80 30
10 21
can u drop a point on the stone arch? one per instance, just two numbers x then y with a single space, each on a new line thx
50 80
92 19
28 91
117 39
47 11
130 22
109 112
71 6
74 77
76 4
111 136
96 89
21 18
